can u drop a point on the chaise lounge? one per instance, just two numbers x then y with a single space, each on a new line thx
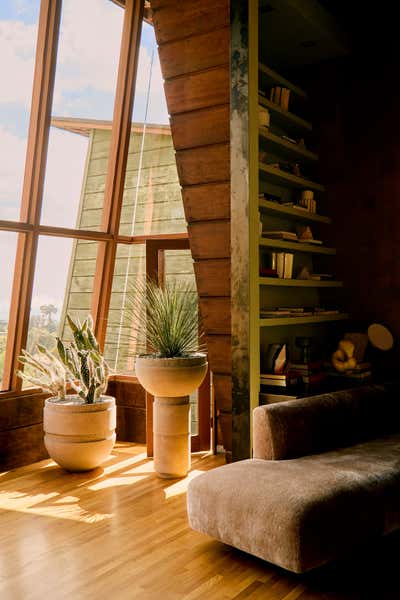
325 478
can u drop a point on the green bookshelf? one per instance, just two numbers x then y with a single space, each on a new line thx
286 149
297 246
280 177
273 208
280 321
284 118
301 283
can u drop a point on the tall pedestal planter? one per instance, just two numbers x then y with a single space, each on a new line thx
79 436
170 381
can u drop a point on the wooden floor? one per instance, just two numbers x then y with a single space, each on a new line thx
121 533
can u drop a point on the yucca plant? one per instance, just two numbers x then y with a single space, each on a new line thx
168 316
79 364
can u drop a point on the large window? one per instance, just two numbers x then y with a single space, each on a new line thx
86 179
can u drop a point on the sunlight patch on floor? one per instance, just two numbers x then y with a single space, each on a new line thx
180 486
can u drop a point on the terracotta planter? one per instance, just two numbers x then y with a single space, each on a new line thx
170 381
79 436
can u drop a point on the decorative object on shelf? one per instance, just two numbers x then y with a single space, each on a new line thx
343 358
307 201
380 337
360 341
304 234
263 117
79 428
304 343
171 370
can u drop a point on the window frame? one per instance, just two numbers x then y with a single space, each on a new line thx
28 227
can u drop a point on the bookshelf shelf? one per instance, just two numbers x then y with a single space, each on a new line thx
279 321
283 178
284 118
304 283
285 148
273 77
274 208
296 246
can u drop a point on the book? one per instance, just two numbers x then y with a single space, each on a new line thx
283 263
280 235
285 95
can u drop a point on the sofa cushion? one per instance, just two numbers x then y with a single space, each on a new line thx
315 424
301 513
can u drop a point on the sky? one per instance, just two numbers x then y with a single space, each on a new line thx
87 63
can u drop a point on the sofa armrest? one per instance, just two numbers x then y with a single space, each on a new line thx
262 434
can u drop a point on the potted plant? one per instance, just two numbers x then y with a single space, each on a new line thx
79 427
171 367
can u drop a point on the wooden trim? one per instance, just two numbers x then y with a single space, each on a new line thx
115 180
31 204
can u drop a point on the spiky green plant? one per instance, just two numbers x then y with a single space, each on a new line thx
169 316
79 364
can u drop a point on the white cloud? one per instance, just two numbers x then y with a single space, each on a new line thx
17 50
12 166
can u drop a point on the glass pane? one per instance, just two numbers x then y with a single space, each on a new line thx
86 76
130 266
18 33
8 243
179 269
63 285
152 197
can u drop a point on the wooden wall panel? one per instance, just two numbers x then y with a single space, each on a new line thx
195 53
201 127
210 239
213 277
194 45
175 20
205 164
207 202
198 90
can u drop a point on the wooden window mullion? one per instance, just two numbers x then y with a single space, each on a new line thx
115 180
32 191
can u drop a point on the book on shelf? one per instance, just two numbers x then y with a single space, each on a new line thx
284 380
268 272
280 235
283 263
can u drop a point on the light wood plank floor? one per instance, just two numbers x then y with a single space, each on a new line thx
122 533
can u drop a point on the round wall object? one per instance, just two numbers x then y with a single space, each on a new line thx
380 337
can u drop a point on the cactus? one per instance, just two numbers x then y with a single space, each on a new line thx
79 364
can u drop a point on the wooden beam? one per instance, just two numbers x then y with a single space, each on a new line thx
31 204
115 181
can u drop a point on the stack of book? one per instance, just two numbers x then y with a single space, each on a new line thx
280 95
361 372
286 312
311 373
279 380
282 262
280 235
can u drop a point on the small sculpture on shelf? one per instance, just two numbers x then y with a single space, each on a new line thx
343 358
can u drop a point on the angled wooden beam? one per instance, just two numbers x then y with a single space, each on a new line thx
115 180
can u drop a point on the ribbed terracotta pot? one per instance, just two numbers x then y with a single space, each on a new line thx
170 381
79 436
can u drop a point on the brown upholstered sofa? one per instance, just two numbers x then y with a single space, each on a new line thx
325 477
